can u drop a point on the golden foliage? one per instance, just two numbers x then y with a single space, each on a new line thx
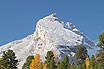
36 62
87 62
45 66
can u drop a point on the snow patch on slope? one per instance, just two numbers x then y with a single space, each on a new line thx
51 34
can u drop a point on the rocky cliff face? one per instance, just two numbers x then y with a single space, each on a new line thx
51 34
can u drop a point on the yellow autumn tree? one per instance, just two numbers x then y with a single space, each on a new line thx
36 62
87 62
45 66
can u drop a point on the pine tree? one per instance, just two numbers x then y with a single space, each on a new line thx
61 66
84 66
9 60
28 62
101 40
96 65
100 60
68 66
92 62
79 67
66 61
49 57
36 62
87 62
73 66
100 54
81 53
52 64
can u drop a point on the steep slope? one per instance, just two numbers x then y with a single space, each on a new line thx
51 34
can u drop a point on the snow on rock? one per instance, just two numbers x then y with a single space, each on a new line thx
51 34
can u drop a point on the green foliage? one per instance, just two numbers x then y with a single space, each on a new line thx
8 60
66 61
79 67
2 68
61 66
68 66
101 40
52 64
84 66
81 53
28 62
100 60
50 59
73 66
79 62
92 62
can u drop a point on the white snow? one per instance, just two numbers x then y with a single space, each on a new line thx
51 33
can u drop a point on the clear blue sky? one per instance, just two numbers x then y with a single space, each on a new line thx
18 17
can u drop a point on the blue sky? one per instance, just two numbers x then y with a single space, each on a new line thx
18 17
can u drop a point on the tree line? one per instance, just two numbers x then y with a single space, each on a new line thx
8 60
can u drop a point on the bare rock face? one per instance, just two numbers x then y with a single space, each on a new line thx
51 34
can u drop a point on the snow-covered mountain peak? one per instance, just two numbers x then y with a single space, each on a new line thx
51 34
51 18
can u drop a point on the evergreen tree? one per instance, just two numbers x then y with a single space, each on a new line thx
84 66
81 53
92 62
73 66
9 60
100 60
101 40
49 57
2 68
28 62
79 67
68 66
96 65
66 61
62 65
58 63
52 64
100 55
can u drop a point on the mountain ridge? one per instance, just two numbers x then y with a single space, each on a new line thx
51 34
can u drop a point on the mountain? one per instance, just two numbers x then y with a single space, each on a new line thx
51 34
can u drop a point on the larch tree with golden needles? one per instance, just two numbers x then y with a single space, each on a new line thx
36 62
45 66
87 62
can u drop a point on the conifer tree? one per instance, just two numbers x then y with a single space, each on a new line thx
73 66
28 62
66 61
61 66
8 60
92 62
81 53
52 64
101 40
84 66
68 66
79 67
49 59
